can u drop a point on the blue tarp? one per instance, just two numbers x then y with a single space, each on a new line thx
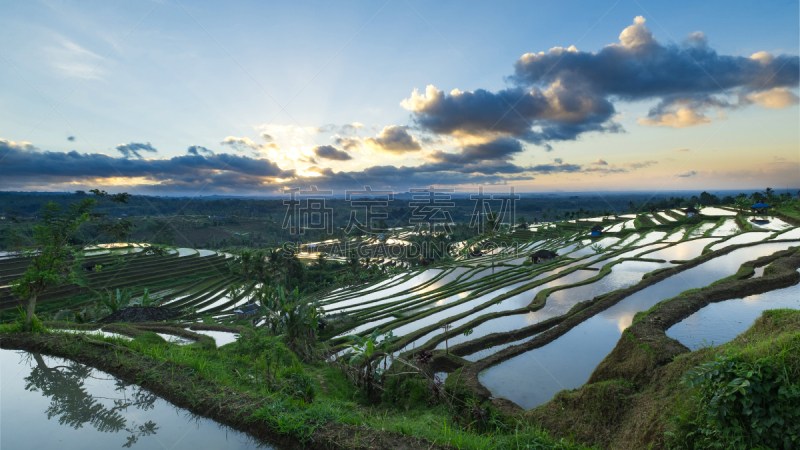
760 205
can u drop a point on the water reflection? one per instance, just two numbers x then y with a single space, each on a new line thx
54 403
65 386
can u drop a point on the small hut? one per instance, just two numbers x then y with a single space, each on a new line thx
475 253
247 311
690 211
597 230
541 256
760 209
653 210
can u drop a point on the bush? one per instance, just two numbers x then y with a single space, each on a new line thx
744 405
19 325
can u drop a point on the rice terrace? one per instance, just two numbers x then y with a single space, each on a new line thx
403 225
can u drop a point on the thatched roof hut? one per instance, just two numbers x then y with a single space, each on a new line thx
690 211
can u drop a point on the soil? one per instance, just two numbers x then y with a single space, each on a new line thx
140 314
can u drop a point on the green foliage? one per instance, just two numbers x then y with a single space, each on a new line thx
744 405
115 301
149 338
18 325
290 315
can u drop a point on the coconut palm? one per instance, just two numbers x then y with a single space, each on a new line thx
491 221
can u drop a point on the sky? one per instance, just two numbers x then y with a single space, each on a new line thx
250 98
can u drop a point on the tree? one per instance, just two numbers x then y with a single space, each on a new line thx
631 206
53 258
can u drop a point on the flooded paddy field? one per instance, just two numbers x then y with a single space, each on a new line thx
56 403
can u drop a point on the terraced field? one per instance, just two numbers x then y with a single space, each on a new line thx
185 280
527 331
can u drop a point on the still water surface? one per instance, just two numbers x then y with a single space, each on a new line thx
55 403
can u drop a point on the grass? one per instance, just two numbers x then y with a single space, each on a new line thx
239 386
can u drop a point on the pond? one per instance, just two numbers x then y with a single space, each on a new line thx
532 378
55 403
718 323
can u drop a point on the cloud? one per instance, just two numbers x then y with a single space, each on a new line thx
266 136
134 148
600 162
240 143
331 152
350 128
686 80
25 167
697 38
71 138
534 115
498 150
347 143
688 174
394 139
198 149
636 36
640 165
72 60
681 118
775 98
683 150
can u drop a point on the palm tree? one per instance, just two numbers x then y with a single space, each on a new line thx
631 206
491 220
741 203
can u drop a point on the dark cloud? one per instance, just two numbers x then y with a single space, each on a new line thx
690 77
394 139
688 174
198 149
47 166
564 93
331 152
25 166
134 148
500 149
71 138
533 115
556 168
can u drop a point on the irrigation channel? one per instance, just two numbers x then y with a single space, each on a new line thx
477 307
56 403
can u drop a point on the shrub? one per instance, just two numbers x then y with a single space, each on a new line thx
744 405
